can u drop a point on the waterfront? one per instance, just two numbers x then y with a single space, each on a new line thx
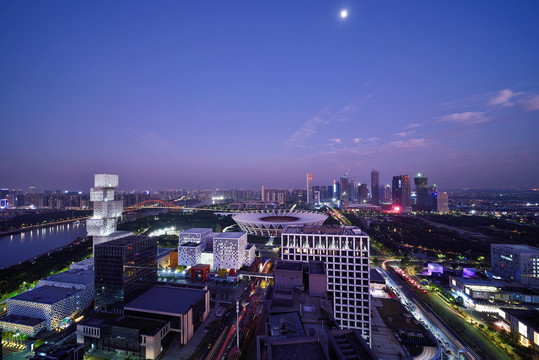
26 245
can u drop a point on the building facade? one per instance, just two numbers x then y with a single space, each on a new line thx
229 250
402 192
519 263
310 195
124 268
375 183
345 252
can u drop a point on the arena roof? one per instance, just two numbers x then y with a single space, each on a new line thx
273 222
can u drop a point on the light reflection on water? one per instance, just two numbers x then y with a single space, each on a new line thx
19 247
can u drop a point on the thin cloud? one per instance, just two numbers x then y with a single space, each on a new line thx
373 139
415 143
412 125
504 98
336 140
405 133
311 126
532 103
357 140
469 117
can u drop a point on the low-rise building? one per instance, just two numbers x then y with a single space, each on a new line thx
185 308
82 280
524 323
142 337
49 303
518 263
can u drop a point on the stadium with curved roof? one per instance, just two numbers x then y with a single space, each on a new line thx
274 222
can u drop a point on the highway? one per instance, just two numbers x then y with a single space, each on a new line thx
448 340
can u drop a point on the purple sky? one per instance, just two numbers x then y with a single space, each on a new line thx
235 94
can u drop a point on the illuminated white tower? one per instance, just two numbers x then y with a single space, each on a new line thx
102 225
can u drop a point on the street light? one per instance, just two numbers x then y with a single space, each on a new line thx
238 323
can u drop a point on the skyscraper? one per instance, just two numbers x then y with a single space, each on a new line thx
124 269
402 192
102 225
310 195
375 192
345 251
421 191
362 193
344 191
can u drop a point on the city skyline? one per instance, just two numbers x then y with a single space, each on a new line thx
217 95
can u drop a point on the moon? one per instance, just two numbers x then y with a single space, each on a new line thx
344 14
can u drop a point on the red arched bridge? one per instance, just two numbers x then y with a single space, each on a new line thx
154 204
162 204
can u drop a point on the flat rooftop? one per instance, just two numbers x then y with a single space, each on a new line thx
376 277
528 317
144 325
519 248
166 300
288 349
21 320
249 246
230 235
128 240
289 265
317 267
73 276
286 325
46 294
196 231
324 229
476 282
163 251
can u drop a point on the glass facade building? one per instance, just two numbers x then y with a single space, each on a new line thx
124 269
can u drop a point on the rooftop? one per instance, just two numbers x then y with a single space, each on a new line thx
74 276
317 267
144 325
476 282
376 277
230 235
128 240
163 251
349 344
196 231
296 348
324 229
519 248
45 294
249 246
528 317
166 299
289 265
192 244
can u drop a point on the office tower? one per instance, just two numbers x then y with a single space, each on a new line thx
124 269
519 263
263 193
387 194
402 192
345 251
375 192
310 197
352 186
102 225
336 190
442 202
344 192
421 193
362 193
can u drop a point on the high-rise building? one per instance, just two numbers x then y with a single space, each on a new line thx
422 192
336 190
352 186
345 251
375 192
310 195
102 225
362 193
442 202
387 194
402 192
344 191
124 269
263 193
519 263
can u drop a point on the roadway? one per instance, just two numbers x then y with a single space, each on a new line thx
476 341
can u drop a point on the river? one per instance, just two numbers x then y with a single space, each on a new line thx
23 246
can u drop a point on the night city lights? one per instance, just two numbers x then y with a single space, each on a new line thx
215 180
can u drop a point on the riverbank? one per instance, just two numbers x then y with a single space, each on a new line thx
13 279
40 226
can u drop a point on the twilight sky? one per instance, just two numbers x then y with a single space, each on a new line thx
236 94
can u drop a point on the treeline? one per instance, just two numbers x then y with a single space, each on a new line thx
31 271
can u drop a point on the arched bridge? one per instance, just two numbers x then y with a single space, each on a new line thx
154 204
